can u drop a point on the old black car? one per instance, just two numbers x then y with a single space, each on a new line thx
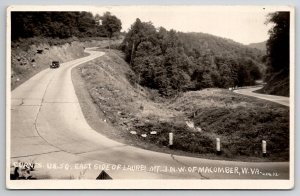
55 64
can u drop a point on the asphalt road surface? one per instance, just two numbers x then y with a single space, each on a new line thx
48 128
277 99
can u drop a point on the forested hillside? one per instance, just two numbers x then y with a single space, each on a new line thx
167 61
261 45
171 61
278 55
41 37
62 24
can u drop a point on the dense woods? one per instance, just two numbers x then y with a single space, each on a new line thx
62 24
171 61
278 55
167 61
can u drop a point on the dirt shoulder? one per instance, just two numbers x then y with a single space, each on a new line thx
134 116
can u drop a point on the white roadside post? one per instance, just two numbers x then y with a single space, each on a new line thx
264 148
171 139
218 146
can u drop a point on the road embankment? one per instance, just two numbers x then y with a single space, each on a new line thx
136 116
30 56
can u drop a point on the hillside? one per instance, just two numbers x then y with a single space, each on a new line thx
217 45
278 84
261 45
55 25
139 116
31 55
38 38
173 62
278 56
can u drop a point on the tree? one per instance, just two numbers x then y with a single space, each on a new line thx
278 45
52 24
139 32
278 55
173 62
111 25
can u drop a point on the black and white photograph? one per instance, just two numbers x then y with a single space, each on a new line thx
150 97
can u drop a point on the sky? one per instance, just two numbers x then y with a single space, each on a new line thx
237 23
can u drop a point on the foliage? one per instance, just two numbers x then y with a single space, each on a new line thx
278 44
60 25
278 55
111 24
172 61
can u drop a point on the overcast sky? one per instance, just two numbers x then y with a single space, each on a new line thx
241 25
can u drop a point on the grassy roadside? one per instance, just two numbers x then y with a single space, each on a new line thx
135 116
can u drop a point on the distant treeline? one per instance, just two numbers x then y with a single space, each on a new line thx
171 61
56 25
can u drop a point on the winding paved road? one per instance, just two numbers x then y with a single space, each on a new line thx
277 99
49 129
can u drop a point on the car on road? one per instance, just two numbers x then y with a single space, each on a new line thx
54 64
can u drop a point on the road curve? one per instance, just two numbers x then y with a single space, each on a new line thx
48 128
277 99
